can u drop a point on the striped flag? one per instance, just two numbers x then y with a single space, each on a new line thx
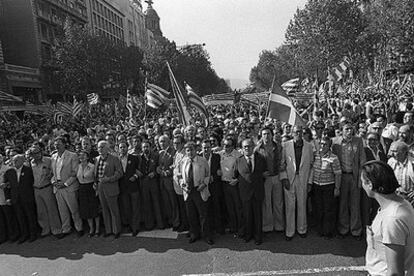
407 86
132 104
281 108
196 102
216 99
93 98
77 108
64 108
180 99
291 86
340 71
58 117
156 96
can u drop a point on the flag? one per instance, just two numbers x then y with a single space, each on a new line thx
76 108
407 86
58 117
132 104
196 102
93 98
180 99
291 86
216 99
156 96
322 91
281 108
64 108
340 71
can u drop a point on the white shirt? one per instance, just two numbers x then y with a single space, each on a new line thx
59 164
228 164
124 161
19 172
250 159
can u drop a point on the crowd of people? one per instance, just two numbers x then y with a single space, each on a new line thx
244 174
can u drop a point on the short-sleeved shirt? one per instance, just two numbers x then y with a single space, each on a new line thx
42 172
228 164
392 225
325 168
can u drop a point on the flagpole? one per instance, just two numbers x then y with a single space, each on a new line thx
270 94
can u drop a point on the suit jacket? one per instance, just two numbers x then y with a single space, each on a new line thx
358 155
306 162
126 186
69 170
201 174
370 155
251 184
215 185
22 190
112 170
165 161
148 166
387 144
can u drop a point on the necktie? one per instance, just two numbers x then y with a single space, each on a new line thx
190 176
249 163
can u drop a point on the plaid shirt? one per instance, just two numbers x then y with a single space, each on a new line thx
325 168
404 174
101 167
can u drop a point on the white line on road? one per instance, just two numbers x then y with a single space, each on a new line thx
288 272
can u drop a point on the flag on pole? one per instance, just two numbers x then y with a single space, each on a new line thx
64 108
196 102
76 108
291 86
280 107
132 103
156 96
180 99
93 98
340 71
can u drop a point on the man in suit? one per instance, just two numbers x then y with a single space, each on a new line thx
215 202
351 154
65 185
148 163
129 190
250 173
22 198
299 157
273 216
165 171
195 177
383 143
108 171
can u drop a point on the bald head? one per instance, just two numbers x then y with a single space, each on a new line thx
399 150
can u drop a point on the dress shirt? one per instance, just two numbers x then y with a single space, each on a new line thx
18 172
124 161
404 174
251 160
86 175
228 164
42 172
375 153
347 151
59 165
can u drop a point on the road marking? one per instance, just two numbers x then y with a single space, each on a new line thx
288 272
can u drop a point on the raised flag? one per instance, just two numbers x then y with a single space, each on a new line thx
281 108
156 96
64 108
196 102
217 99
76 108
340 71
180 99
291 86
93 98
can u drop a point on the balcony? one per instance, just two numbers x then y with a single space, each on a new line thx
71 10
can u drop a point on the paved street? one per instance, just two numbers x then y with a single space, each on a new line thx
174 256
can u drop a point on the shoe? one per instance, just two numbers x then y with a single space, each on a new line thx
357 238
192 239
135 233
14 239
246 240
304 235
32 238
117 235
258 242
209 241
80 233
90 235
106 235
22 240
44 235
59 236
328 237
288 238
175 228
97 234
341 236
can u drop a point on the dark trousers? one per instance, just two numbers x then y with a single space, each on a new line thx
197 215
252 219
369 208
26 218
183 212
215 213
169 202
8 224
324 208
234 206
151 201
130 208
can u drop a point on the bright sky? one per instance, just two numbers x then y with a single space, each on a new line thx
234 31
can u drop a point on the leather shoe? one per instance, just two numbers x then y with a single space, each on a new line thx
209 241
80 233
341 236
90 235
135 233
246 240
59 236
22 240
192 239
288 238
32 238
304 235
106 235
258 242
358 238
117 235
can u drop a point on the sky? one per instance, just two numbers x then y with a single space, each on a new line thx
234 31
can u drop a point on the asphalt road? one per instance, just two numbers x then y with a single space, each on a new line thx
175 256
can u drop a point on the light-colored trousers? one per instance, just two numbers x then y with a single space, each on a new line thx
296 198
67 202
110 213
273 215
47 211
349 219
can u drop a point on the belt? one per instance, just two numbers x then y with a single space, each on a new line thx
40 188
347 172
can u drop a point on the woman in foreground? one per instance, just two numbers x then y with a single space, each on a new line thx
390 238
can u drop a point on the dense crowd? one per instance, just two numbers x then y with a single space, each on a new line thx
244 174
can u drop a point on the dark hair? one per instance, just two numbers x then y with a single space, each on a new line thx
61 139
266 128
327 139
381 176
